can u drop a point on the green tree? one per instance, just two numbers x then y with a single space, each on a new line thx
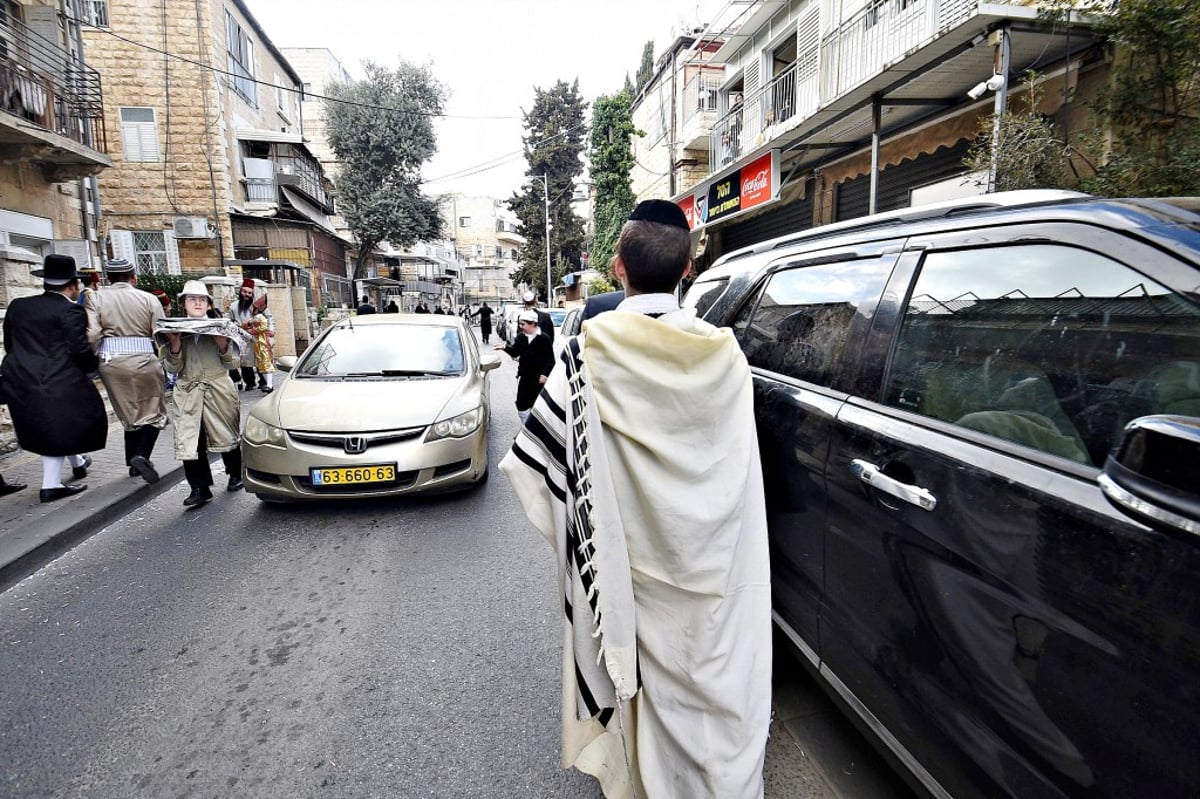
1146 140
610 156
554 140
1032 154
646 69
381 129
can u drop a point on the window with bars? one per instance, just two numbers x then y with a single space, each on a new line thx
94 12
150 248
241 61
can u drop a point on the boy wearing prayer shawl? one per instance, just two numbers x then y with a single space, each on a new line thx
639 464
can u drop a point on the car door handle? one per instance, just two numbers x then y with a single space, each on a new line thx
870 474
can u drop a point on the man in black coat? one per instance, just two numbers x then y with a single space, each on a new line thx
544 321
365 307
56 409
535 356
485 321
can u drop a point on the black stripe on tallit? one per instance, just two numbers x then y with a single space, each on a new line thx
555 448
554 407
589 701
538 467
605 716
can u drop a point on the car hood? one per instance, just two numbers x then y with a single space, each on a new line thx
351 406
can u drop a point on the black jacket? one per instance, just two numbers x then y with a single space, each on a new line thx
55 406
599 303
536 358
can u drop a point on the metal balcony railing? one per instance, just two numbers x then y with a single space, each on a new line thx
757 120
261 190
44 84
700 93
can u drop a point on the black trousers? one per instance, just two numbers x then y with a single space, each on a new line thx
198 472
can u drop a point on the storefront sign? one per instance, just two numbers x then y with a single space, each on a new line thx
750 186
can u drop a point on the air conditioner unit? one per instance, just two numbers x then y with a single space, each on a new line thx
191 227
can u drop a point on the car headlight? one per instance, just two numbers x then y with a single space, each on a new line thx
456 427
259 432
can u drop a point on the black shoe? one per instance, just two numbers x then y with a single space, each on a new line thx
140 464
51 494
235 483
80 472
266 389
198 497
9 488
133 472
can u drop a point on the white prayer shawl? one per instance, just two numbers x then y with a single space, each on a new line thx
659 525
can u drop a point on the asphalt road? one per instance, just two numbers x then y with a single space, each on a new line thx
383 649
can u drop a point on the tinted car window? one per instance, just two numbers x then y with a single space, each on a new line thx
1050 346
383 350
806 318
702 295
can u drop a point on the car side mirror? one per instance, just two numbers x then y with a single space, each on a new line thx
488 361
285 363
1154 472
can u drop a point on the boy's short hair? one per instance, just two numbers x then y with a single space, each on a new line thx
655 255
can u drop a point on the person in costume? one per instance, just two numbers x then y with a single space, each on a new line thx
536 358
640 466
205 413
242 312
121 321
56 410
261 327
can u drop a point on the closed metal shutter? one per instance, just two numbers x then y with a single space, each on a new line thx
895 182
790 218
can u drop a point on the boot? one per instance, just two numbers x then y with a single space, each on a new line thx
147 438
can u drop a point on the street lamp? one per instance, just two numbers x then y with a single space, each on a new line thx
546 197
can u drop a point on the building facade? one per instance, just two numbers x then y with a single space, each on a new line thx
485 235
827 111
211 173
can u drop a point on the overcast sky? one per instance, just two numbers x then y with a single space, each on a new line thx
490 54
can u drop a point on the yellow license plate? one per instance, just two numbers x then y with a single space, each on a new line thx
354 475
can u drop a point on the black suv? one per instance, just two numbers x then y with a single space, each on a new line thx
980 434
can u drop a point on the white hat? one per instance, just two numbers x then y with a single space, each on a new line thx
528 296
194 288
527 316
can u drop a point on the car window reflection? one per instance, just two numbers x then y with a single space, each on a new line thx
385 351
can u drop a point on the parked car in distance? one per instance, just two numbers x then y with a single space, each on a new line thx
572 323
980 434
378 406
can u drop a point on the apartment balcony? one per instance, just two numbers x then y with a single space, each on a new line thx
278 168
507 232
51 107
915 58
699 109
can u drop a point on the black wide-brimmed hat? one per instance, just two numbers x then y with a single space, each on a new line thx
57 270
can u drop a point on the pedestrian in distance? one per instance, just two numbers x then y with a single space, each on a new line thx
640 466
545 323
241 312
121 321
437 309
421 307
485 321
205 413
391 307
261 328
535 359
365 307
56 410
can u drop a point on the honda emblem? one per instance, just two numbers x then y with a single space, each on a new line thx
355 444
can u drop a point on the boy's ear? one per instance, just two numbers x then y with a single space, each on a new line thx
618 267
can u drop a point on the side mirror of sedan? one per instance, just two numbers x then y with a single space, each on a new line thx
285 363
1154 472
488 361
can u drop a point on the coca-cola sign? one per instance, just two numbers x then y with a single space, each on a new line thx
750 186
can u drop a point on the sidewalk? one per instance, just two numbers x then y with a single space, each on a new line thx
32 533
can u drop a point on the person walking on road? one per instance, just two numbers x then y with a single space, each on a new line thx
535 360
56 409
640 466
205 411
242 312
365 307
121 321
485 321
545 323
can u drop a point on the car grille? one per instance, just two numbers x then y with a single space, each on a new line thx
403 480
338 440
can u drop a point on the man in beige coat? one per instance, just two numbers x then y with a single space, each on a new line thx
121 320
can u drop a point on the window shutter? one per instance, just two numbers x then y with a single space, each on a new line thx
122 245
172 248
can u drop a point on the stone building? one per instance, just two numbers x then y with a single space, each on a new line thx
485 235
212 174
53 142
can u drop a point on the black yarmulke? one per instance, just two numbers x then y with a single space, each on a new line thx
663 212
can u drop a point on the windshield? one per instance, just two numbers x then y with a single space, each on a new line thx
385 350
557 315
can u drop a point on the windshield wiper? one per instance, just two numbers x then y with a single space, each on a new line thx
395 373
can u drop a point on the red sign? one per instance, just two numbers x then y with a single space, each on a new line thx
688 204
758 185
